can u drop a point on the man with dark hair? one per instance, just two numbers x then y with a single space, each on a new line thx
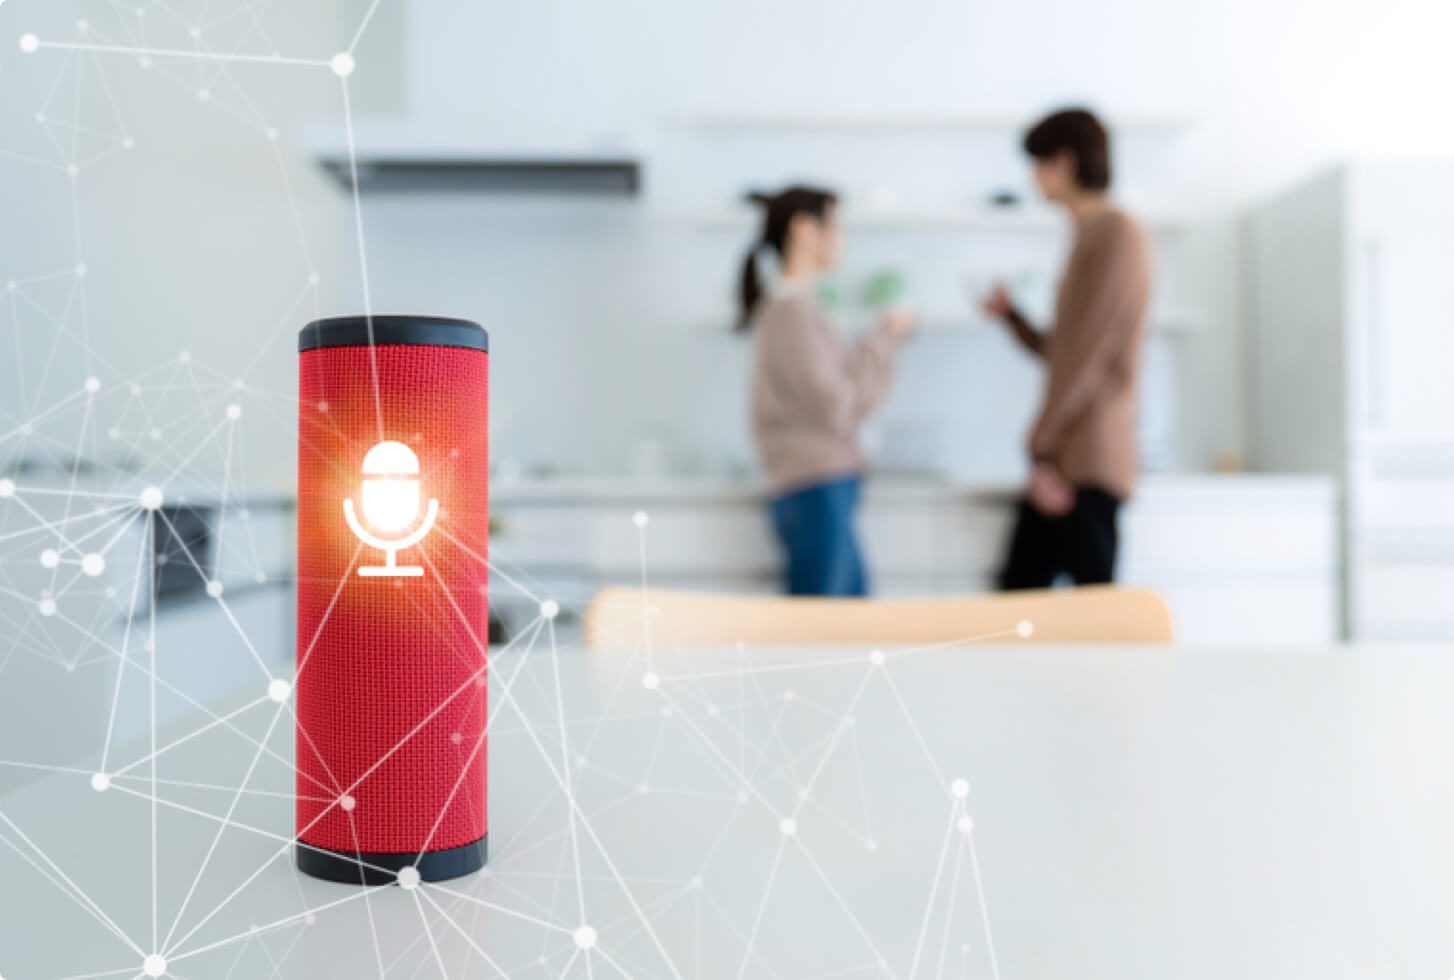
1084 460
1081 133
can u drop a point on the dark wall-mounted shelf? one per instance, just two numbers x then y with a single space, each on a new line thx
605 177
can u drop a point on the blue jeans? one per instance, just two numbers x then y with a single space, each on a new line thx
815 526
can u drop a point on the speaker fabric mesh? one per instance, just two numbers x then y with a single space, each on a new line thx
391 683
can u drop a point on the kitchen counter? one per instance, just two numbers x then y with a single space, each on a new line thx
1241 557
1158 487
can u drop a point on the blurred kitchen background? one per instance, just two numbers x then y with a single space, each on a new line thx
570 174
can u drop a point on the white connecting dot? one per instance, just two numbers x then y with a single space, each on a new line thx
877 658
234 411
651 680
346 803
93 565
965 824
279 689
550 609
1024 629
585 937
152 498
100 782
47 606
409 878
342 64
50 558
93 385
154 965
959 788
788 826
29 43
7 488
214 589
641 518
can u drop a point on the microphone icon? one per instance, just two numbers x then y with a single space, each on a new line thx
390 503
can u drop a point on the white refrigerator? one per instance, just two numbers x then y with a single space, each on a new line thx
1350 351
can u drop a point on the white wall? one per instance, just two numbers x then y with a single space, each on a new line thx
191 242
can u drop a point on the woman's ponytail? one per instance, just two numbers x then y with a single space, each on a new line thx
778 213
749 289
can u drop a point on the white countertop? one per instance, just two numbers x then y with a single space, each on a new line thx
1137 815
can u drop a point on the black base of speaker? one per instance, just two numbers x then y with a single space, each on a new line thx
383 869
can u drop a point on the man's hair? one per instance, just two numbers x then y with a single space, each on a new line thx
1080 132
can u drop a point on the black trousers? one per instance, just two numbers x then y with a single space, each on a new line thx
1081 544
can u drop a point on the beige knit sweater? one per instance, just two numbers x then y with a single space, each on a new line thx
1087 422
812 390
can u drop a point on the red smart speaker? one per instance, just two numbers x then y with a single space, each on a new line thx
393 524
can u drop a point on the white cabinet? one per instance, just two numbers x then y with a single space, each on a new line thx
684 538
1239 559
1352 315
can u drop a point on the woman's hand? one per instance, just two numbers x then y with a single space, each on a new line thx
1049 493
900 323
998 305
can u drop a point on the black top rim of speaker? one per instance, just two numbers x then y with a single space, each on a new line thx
428 331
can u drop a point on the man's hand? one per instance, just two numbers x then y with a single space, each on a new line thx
1049 493
998 305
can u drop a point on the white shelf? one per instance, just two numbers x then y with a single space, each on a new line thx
1025 219
878 122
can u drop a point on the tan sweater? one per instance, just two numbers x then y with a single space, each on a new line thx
1087 422
812 390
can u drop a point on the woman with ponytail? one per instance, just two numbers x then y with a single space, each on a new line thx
812 390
